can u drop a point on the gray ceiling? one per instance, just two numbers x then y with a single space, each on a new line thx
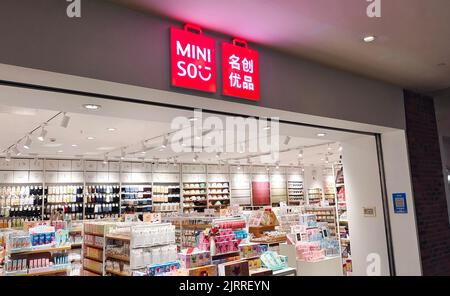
412 49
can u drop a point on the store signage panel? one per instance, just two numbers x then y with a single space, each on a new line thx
400 206
193 59
240 71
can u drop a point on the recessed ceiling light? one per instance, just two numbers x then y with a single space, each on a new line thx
321 134
370 38
193 119
74 145
267 128
111 129
60 151
92 106
90 138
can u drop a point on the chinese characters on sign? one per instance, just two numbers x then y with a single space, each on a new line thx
193 58
240 71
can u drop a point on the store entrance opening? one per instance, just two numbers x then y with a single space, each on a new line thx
271 198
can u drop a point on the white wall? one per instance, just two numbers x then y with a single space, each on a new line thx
363 189
403 226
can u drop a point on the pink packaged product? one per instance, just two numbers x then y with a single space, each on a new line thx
191 258
232 224
309 251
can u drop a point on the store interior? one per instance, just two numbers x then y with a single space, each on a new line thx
98 190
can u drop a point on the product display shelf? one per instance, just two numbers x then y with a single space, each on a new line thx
39 249
166 197
315 196
218 195
20 202
187 229
136 198
325 215
296 194
220 248
64 198
101 201
194 197
131 247
343 225
94 245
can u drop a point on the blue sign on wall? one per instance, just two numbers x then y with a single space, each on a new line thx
400 206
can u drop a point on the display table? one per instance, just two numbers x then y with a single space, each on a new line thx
285 272
330 266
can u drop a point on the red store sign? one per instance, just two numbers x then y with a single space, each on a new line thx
240 71
193 58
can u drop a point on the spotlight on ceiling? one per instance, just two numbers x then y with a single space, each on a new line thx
42 135
369 38
15 150
218 155
195 158
340 148
65 120
321 134
27 144
8 156
193 119
287 140
122 153
91 106
164 143
105 159
300 153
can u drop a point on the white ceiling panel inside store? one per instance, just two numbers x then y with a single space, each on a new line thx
138 134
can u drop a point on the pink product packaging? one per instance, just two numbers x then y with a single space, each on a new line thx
196 259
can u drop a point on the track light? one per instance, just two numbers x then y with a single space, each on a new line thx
278 166
195 158
8 156
27 144
16 150
42 135
164 143
239 167
300 153
326 160
105 160
287 140
122 154
340 148
267 168
218 155
65 120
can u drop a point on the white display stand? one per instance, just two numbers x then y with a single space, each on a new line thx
330 266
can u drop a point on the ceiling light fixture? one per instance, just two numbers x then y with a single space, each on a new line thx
267 168
218 155
278 166
8 156
239 167
266 128
340 147
193 119
27 144
74 145
111 129
122 153
65 120
165 142
91 106
195 158
287 140
105 159
90 138
321 134
300 153
42 135
369 38
16 150
60 151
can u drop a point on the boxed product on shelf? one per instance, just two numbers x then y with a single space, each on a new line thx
249 250
309 251
208 270
273 260
160 269
235 268
190 258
